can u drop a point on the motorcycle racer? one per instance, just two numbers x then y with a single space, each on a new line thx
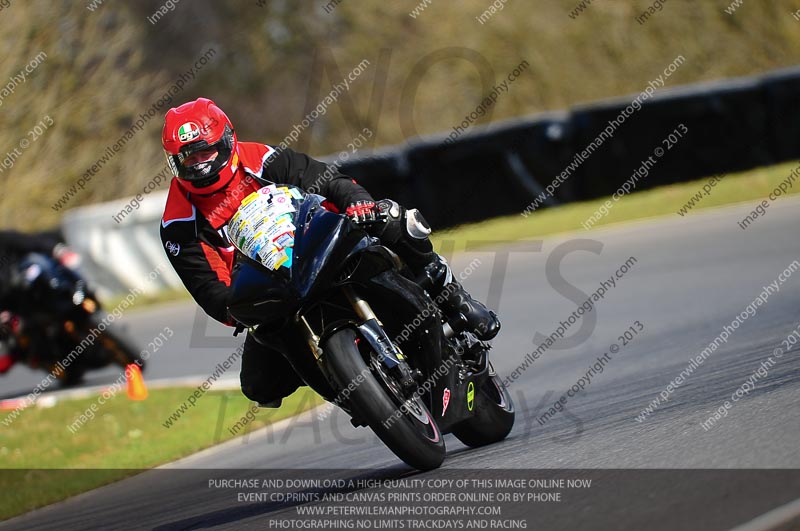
213 171
14 247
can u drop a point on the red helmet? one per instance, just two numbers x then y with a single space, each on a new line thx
201 145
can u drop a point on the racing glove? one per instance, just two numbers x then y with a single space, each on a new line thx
364 212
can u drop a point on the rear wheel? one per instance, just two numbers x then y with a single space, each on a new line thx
404 425
494 415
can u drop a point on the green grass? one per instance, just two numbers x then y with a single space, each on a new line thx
753 185
148 300
123 438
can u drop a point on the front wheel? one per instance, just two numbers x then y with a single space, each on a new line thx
404 425
494 415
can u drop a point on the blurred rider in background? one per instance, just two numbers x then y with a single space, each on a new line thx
14 247
214 172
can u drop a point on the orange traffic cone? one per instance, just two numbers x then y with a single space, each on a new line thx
136 388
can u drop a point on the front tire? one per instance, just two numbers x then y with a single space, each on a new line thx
494 415
411 434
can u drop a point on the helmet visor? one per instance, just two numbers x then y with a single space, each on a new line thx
200 162
204 156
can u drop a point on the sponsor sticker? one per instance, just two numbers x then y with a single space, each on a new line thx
263 226
470 396
188 132
445 400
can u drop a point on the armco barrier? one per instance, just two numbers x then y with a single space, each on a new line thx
500 169
120 256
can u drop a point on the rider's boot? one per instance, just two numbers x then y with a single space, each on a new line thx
453 298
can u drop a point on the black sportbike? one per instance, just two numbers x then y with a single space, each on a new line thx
59 325
378 346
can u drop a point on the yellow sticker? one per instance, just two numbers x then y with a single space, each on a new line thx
250 198
282 261
470 396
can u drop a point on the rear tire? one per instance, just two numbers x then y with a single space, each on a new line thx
494 415
413 435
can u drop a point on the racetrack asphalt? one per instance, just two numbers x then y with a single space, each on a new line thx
692 276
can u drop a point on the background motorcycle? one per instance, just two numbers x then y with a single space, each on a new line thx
54 312
329 284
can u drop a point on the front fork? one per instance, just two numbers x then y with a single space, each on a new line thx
371 329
